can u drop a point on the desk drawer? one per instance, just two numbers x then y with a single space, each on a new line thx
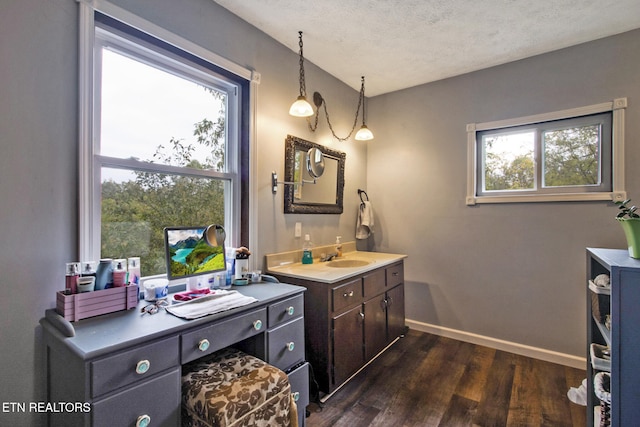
222 334
125 368
299 380
347 295
286 344
286 310
158 399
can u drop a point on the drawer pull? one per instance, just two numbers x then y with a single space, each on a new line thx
291 346
395 273
142 367
348 294
203 345
295 395
290 311
257 325
143 421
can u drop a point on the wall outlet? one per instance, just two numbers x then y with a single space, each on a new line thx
298 230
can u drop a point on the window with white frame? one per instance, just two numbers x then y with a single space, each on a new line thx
568 155
165 146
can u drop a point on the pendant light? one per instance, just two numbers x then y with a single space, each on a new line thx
363 134
301 107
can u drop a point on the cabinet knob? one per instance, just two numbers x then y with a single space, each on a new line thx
361 314
348 294
143 421
257 325
203 345
142 366
291 346
295 395
290 311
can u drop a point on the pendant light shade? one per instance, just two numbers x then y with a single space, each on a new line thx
364 134
301 108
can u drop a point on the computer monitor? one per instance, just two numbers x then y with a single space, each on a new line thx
189 254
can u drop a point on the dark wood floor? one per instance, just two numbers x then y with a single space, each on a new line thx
426 380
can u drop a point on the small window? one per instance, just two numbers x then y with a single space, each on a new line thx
550 157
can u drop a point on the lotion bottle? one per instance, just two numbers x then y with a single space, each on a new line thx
338 246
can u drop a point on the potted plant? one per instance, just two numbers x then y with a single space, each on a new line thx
630 222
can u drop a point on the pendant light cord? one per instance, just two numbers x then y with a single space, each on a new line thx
326 113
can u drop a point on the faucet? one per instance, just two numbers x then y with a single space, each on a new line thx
328 257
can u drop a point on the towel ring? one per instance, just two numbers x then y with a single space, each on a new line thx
360 193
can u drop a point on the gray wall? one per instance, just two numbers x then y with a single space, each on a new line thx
513 272
38 165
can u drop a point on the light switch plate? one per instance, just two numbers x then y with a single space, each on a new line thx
298 230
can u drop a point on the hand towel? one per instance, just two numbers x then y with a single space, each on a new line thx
215 303
364 226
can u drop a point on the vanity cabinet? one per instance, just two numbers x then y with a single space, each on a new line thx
349 322
621 334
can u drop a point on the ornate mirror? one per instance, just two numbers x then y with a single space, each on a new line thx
303 161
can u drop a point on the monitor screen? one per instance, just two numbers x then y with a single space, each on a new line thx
188 253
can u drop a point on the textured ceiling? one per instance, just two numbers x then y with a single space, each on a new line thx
397 44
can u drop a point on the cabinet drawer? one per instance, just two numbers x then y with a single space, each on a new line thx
125 368
346 295
286 344
209 339
374 283
158 399
285 310
299 380
395 275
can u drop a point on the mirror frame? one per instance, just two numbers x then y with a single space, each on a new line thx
292 144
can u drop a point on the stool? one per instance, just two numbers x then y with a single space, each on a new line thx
232 389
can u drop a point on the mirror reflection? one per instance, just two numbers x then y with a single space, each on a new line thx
305 162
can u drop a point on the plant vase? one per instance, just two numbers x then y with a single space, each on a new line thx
631 227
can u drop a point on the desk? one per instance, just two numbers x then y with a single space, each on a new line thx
102 360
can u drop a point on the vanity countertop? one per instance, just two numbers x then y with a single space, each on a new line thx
326 272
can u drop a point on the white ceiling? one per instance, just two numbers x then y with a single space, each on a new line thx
397 44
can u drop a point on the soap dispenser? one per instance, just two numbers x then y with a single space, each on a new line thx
307 255
338 246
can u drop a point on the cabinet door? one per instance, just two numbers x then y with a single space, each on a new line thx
395 312
348 354
375 326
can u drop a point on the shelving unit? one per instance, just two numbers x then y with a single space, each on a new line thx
621 337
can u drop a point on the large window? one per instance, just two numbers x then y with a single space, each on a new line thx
567 155
167 148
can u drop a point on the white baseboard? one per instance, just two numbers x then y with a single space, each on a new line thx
521 349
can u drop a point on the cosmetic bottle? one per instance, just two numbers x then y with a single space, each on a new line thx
104 276
71 277
307 250
88 268
338 246
134 270
119 273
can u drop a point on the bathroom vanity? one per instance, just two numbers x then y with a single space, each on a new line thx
354 309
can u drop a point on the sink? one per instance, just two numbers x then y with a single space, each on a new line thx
346 263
